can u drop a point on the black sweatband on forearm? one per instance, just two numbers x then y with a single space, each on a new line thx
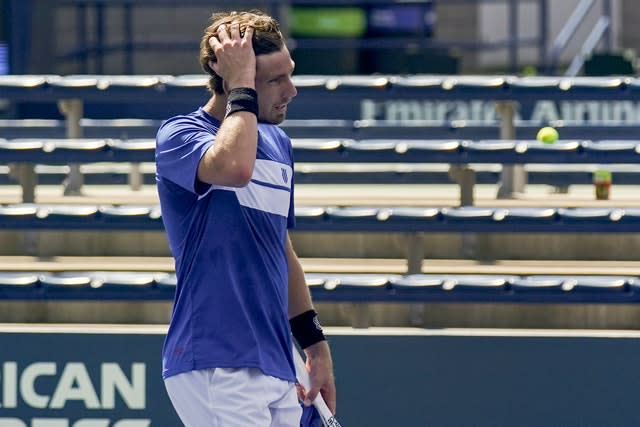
306 329
242 99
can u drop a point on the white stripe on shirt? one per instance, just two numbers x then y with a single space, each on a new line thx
259 193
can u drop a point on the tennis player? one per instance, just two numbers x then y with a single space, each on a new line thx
225 181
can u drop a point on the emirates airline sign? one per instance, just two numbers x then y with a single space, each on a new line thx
621 111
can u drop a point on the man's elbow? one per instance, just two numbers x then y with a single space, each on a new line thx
233 175
240 175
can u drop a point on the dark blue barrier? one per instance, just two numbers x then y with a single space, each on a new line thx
385 377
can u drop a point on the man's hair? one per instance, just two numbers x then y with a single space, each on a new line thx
267 38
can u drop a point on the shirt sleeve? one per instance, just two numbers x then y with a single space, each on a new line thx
180 144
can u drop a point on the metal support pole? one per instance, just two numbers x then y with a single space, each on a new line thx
25 173
514 35
513 178
415 255
606 37
136 177
465 177
543 19
72 109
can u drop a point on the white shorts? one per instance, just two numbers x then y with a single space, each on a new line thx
242 397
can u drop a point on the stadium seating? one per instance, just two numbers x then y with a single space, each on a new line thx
61 151
336 219
369 288
328 140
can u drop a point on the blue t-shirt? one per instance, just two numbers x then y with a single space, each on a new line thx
230 306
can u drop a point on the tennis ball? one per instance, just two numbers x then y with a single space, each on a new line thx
547 135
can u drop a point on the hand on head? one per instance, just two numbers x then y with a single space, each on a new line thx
235 60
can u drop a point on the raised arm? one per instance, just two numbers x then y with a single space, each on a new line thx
231 159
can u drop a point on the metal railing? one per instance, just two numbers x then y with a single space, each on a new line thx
600 32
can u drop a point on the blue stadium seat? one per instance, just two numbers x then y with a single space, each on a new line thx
588 216
542 284
317 149
315 280
408 218
596 87
477 283
526 215
185 88
354 287
611 145
574 288
66 281
490 150
106 82
22 87
19 285
166 282
597 284
62 151
417 286
418 81
352 218
471 215
310 81
122 281
545 86
448 287
18 149
310 217
437 150
132 150
67 216
469 85
371 150
351 82
630 216
11 280
22 216
134 217
561 151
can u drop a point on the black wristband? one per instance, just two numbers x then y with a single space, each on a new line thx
242 99
306 329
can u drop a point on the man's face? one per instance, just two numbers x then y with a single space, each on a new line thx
274 86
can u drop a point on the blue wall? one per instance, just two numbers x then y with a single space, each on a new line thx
385 378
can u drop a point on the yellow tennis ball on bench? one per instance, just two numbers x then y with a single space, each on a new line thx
547 135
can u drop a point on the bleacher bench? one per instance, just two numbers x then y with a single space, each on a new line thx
354 288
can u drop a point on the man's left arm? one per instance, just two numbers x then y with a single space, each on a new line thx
302 314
